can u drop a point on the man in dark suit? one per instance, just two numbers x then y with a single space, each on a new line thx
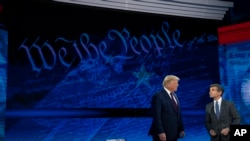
167 124
220 114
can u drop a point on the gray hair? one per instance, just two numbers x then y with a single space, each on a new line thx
169 78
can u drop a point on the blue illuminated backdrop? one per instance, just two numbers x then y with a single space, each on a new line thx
234 54
3 76
76 74
235 75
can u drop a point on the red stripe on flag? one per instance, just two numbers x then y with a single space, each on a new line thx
234 33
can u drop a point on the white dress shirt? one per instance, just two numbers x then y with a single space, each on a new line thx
170 95
219 102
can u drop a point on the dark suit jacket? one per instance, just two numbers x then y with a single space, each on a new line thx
165 118
228 116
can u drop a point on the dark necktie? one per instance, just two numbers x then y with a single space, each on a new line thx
173 101
217 110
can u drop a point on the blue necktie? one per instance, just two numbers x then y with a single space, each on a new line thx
217 110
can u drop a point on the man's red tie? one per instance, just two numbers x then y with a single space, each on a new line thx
173 101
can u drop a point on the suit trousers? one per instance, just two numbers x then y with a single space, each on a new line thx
156 138
220 138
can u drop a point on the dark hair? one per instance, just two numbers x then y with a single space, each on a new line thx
219 88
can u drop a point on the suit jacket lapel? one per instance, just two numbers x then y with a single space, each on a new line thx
222 107
212 111
169 99
166 96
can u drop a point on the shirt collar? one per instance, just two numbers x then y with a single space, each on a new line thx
219 100
169 93
167 90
